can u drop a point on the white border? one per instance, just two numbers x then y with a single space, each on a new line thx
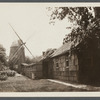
56 4
52 94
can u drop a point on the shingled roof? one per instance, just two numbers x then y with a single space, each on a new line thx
63 49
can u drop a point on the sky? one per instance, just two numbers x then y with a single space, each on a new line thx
31 22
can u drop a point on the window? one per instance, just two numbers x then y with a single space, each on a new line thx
67 63
57 65
67 60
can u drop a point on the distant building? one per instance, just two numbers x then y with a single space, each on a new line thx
33 70
17 55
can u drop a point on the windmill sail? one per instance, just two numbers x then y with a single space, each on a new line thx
21 41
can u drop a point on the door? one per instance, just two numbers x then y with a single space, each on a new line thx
45 69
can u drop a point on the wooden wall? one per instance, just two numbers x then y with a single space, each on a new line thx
47 68
65 67
33 72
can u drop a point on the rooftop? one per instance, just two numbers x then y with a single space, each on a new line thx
16 43
63 49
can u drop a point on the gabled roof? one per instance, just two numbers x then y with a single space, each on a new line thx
63 49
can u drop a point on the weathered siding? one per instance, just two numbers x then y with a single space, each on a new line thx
50 69
34 71
47 68
65 67
39 73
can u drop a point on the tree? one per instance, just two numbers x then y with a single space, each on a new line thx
81 17
28 60
36 59
3 60
86 27
86 33
33 60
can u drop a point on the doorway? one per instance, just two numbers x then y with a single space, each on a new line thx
45 69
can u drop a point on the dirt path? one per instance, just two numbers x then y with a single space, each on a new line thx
79 86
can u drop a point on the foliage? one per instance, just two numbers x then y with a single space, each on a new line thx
86 35
28 60
3 59
36 59
3 75
33 60
86 24
11 73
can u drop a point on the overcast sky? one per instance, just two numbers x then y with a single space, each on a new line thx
30 20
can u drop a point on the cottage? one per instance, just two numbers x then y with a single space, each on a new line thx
69 63
65 63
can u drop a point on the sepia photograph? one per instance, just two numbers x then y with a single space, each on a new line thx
49 48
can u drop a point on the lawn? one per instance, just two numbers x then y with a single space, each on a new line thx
24 84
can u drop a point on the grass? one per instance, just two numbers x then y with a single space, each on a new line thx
24 84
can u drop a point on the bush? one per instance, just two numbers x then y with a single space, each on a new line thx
3 75
10 73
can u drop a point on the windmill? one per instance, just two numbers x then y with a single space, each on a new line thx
13 58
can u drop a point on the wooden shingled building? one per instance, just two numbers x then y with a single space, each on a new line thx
65 63
69 65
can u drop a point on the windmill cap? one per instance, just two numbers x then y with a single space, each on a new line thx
16 43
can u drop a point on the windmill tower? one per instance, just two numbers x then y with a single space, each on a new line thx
17 53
